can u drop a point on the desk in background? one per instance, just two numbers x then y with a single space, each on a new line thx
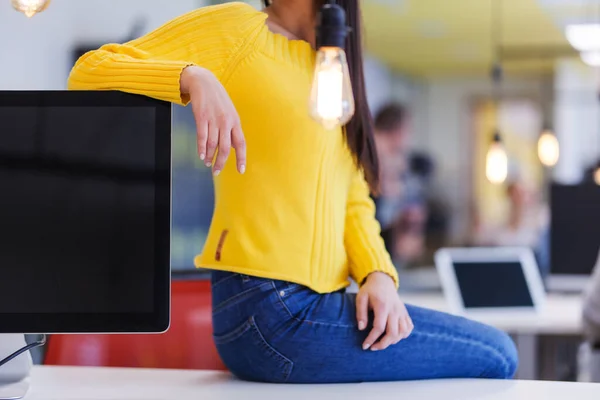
560 317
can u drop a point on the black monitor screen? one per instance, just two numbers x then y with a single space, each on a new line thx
492 284
83 212
575 228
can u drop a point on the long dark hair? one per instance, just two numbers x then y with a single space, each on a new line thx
359 131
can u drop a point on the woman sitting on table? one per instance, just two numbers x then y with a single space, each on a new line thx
290 229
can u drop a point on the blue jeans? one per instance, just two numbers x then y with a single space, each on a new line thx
273 331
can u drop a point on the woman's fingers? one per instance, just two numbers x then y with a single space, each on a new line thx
409 325
215 138
362 310
239 145
217 121
212 142
223 150
379 325
201 137
391 337
404 330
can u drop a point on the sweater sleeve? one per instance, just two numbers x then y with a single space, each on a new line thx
363 242
152 64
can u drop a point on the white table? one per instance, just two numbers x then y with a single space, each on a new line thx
561 315
80 383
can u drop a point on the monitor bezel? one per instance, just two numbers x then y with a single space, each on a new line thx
158 320
446 257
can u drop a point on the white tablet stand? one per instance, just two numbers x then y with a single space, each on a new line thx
14 375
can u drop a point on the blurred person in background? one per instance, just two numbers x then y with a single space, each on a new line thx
527 224
289 231
403 204
392 141
527 218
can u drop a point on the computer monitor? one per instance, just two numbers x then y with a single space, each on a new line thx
575 235
85 212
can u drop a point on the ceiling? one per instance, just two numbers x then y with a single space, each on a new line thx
447 37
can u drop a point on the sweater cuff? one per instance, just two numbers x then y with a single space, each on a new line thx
367 253
153 78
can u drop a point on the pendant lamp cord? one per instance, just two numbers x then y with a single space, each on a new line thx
496 10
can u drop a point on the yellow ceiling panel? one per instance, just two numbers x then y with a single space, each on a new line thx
433 37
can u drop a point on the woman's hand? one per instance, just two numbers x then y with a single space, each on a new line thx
217 121
391 317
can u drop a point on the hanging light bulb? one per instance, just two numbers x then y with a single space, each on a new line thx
331 98
597 174
548 148
30 7
496 162
591 58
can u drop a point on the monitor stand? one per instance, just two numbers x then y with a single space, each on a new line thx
14 375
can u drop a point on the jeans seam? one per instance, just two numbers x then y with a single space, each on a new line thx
473 342
236 299
287 371
307 321
233 335
228 277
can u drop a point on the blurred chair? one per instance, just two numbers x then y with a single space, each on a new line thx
187 345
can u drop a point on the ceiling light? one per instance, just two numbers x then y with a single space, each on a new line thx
548 148
496 161
584 37
331 99
591 58
30 7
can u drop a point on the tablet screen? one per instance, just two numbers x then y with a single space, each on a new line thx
492 284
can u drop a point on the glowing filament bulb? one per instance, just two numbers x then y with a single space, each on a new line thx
30 7
496 163
332 100
548 149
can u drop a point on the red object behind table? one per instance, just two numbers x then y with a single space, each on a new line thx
187 345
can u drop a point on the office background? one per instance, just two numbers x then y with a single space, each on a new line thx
431 56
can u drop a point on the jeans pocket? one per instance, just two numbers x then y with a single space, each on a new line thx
249 356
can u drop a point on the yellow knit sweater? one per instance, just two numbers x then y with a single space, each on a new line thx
302 211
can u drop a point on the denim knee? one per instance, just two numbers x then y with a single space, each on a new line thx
507 360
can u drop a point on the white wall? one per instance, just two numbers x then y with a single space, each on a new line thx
36 53
577 118
384 86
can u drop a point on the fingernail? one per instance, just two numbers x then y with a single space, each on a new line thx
374 349
361 325
208 164
202 156
366 346
216 173
242 169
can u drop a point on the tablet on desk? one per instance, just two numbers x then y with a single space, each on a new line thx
490 280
